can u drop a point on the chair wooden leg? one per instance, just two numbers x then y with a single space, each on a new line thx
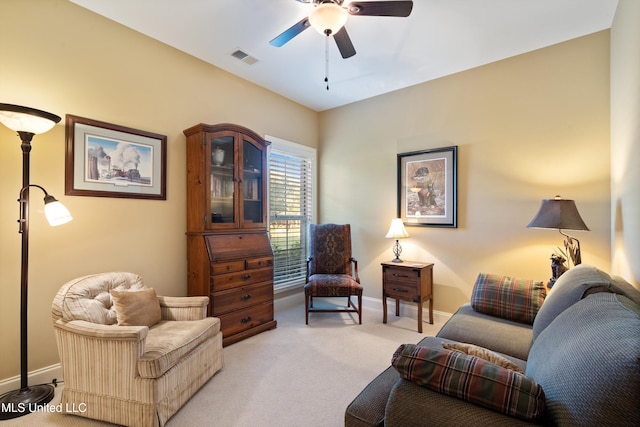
306 309
360 309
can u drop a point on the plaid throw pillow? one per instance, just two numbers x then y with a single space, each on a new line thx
508 298
471 379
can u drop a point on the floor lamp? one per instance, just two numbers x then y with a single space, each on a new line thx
27 122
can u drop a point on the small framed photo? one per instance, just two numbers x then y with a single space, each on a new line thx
427 187
107 160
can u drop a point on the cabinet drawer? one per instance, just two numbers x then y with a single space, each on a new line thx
240 298
227 267
241 278
401 275
259 263
401 291
239 321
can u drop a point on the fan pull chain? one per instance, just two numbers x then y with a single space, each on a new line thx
326 60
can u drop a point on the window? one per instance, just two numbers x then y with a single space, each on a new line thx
291 207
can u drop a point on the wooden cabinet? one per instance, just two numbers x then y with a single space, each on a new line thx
228 249
407 281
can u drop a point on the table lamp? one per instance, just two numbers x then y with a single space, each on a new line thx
397 231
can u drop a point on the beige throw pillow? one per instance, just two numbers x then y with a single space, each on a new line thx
137 308
483 353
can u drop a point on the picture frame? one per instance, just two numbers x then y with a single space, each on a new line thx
427 187
107 160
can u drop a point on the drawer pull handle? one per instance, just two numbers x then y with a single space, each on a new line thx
245 297
245 319
245 277
400 290
399 275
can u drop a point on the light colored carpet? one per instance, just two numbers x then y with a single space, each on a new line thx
295 375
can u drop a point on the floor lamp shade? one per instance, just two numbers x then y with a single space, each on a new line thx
25 119
28 122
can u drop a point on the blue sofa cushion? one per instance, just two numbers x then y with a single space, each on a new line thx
588 363
570 288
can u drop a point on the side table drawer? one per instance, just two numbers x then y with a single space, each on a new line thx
401 291
401 275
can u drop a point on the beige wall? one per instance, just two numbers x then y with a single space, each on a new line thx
527 128
625 140
64 59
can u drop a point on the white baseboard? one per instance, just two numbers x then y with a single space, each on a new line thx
44 375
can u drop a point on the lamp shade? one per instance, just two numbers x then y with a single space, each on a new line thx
397 230
328 18
56 212
558 213
25 119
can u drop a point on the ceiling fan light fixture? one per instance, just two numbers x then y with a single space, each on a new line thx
328 18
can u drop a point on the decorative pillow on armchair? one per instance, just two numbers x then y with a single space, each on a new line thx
137 308
507 297
471 379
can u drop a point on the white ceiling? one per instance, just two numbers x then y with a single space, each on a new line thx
439 38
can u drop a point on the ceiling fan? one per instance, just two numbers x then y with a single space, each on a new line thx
329 16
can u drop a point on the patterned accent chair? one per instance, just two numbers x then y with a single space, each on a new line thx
331 270
132 375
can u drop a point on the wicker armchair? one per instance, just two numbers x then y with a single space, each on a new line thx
131 375
331 270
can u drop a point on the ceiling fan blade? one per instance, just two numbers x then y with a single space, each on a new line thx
381 8
344 43
290 33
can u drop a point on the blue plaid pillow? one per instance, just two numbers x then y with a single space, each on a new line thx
508 298
471 379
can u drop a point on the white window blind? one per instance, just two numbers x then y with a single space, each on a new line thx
291 207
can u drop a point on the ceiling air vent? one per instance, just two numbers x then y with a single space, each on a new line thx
244 57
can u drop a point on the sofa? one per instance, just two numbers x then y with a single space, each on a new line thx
128 356
516 355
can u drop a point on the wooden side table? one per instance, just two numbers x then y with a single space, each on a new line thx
407 281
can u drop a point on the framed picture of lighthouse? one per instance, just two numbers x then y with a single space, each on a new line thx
107 160
427 187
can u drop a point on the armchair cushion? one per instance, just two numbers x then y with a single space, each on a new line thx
138 308
170 341
507 297
471 379
332 285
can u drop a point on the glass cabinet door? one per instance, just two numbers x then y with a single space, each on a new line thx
222 178
252 185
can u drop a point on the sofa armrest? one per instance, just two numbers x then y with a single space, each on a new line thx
410 405
90 353
367 409
183 308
